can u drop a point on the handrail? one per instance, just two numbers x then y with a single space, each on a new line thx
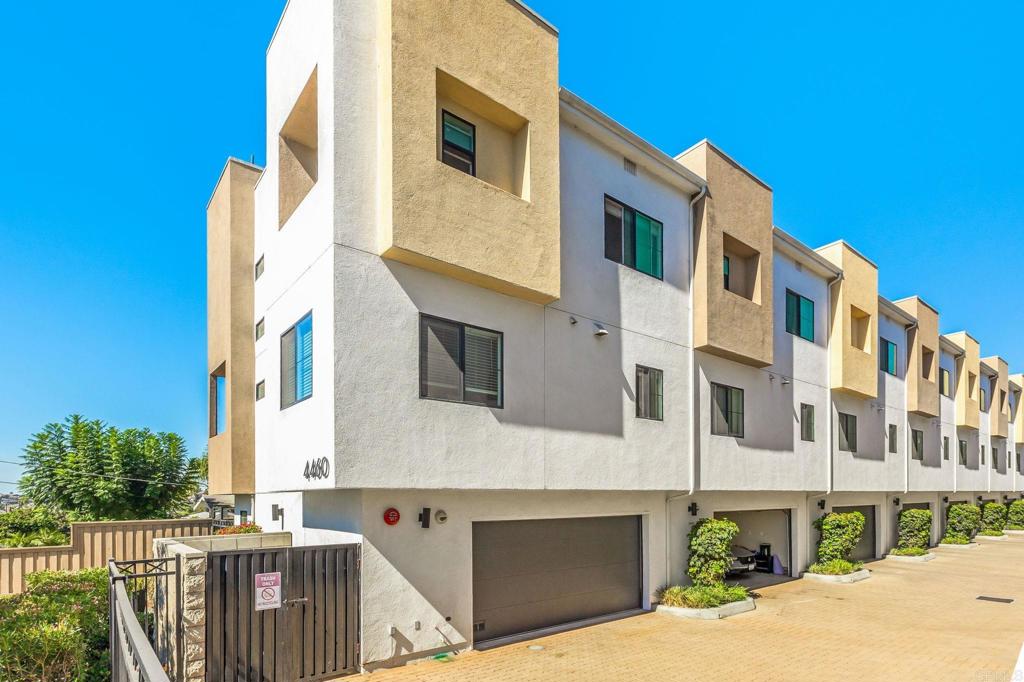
136 653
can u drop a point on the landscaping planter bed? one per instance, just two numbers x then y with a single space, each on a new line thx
991 538
1014 532
900 557
856 576
969 545
719 612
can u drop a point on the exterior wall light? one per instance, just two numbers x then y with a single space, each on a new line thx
600 330
896 501
821 504
692 508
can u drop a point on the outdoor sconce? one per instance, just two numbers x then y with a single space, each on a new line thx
979 498
425 518
896 501
692 508
945 500
599 330
785 381
821 504
276 513
572 320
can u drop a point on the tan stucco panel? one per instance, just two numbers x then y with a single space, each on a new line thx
968 380
229 319
999 410
734 218
853 327
1017 387
496 66
923 361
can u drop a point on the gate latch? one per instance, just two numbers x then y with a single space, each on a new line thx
299 600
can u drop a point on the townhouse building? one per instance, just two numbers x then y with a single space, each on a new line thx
467 320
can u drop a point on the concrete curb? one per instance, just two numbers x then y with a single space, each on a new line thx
918 559
1014 532
969 545
717 613
992 538
855 577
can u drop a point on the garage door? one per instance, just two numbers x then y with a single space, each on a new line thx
533 574
865 549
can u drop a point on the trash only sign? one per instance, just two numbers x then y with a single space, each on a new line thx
268 591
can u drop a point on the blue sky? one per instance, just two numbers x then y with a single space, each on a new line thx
896 127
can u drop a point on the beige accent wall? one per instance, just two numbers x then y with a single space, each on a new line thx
1017 386
968 380
999 412
734 219
923 362
853 327
230 325
496 66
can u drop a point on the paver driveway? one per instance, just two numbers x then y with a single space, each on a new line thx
909 621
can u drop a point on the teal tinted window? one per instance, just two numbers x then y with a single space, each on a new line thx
633 239
297 362
459 133
888 356
799 315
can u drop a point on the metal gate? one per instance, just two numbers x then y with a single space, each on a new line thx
314 635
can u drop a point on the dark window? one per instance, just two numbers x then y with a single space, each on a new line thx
917 444
982 455
1018 462
725 272
218 401
983 400
458 143
847 432
995 458
944 385
945 448
893 439
261 390
632 238
799 315
297 362
649 393
259 267
726 411
806 422
259 329
887 359
460 363
962 452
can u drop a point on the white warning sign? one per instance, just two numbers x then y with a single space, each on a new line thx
268 591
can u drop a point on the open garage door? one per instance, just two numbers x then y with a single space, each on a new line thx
767 534
865 549
529 575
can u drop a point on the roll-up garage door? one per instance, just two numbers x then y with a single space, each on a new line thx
865 549
533 574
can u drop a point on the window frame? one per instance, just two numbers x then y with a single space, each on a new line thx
894 439
806 414
843 420
945 448
651 384
726 267
261 328
632 238
421 329
917 444
455 148
309 316
259 267
798 315
982 451
961 452
945 379
883 356
261 389
730 430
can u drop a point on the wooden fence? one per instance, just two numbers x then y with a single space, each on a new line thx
92 544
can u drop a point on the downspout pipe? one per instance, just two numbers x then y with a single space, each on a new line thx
957 359
694 396
906 412
830 437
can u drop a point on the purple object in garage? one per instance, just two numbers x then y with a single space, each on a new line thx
776 565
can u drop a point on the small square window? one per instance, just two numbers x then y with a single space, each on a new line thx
458 143
799 315
893 439
887 359
259 329
632 238
259 267
261 390
806 422
649 393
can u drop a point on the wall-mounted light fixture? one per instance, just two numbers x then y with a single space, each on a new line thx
572 320
896 501
600 330
945 500
979 498
692 508
821 504
276 512
785 381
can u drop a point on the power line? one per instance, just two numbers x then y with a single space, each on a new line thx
111 476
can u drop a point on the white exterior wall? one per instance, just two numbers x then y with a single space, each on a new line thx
973 476
771 456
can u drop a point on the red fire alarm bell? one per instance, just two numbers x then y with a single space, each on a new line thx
391 516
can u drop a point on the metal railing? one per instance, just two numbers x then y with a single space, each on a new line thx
145 631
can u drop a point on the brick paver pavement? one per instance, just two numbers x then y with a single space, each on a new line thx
909 621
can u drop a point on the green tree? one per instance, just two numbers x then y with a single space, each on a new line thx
94 471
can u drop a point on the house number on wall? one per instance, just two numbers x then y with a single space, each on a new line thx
317 468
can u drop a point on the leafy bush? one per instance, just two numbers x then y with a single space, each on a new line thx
40 538
993 518
991 533
240 529
963 521
840 533
835 566
1015 516
56 631
914 530
27 520
710 551
702 597
909 551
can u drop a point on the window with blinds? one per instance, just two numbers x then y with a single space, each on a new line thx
726 411
650 394
297 362
460 363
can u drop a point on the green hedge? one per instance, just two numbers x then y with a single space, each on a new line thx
710 551
914 530
963 521
840 533
56 631
993 518
1015 515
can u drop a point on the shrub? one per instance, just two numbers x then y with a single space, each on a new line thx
710 551
1015 515
835 566
28 520
963 521
909 551
702 597
56 631
840 533
993 518
40 538
240 529
991 533
914 530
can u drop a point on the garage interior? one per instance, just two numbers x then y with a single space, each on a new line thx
768 533
542 573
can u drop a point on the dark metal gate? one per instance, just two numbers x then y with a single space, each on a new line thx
314 635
